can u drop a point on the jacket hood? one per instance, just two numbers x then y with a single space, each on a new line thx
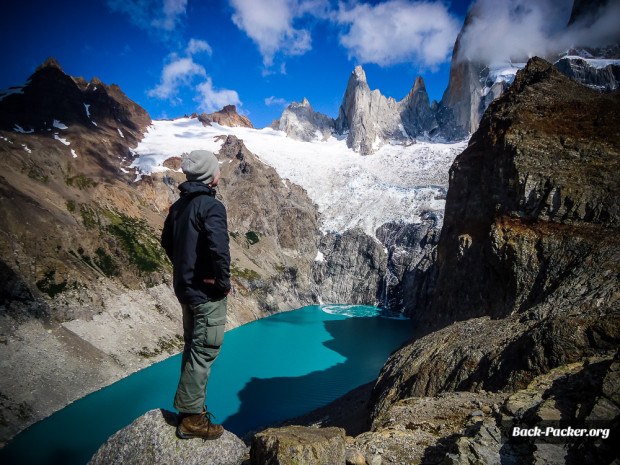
195 187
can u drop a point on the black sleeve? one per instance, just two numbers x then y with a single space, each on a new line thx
166 236
216 227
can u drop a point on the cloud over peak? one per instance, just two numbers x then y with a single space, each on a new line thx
178 72
387 33
269 23
398 31
519 29
182 72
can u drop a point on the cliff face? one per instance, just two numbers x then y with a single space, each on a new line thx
529 248
371 120
350 269
300 121
529 199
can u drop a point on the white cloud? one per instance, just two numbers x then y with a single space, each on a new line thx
162 15
519 29
196 46
173 10
179 72
398 31
269 23
275 101
184 72
210 99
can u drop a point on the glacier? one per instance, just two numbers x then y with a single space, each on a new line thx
398 183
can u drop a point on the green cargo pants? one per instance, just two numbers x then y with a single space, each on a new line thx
203 332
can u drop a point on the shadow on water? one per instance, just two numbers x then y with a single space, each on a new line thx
361 341
359 347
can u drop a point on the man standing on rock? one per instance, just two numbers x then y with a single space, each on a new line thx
195 238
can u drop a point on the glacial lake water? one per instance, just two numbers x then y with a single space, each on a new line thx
269 370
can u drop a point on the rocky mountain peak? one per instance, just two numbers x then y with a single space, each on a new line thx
50 62
95 81
227 116
373 120
418 85
53 101
301 122
359 74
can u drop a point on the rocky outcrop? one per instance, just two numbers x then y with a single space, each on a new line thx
227 116
274 235
151 439
349 268
300 121
529 240
605 78
459 111
370 120
51 95
528 205
416 113
410 262
298 445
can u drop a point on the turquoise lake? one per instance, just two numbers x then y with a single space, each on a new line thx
268 370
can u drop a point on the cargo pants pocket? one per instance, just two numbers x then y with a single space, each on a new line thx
215 322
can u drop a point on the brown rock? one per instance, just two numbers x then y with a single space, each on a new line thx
299 445
354 457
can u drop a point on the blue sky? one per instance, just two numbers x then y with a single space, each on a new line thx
180 56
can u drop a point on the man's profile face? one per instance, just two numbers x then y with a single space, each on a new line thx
216 179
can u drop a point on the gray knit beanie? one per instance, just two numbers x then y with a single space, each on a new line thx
200 165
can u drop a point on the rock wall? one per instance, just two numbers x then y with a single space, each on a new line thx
370 120
349 268
410 262
527 258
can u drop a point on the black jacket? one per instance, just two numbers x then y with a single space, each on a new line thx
195 237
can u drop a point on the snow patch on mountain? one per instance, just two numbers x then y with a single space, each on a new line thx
13 90
499 73
18 128
397 183
58 125
58 138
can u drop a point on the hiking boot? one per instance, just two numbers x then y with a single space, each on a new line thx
198 425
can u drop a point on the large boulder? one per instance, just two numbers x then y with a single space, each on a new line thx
299 445
151 439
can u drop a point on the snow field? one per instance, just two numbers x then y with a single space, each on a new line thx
397 183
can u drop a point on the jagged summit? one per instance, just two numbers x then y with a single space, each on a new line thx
50 62
301 122
418 85
52 100
227 116
372 120
359 74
